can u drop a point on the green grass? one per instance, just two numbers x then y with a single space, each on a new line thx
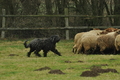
22 68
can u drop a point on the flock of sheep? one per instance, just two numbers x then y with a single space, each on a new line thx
97 41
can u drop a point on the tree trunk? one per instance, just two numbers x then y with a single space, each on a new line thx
30 6
117 12
0 13
48 4
97 10
9 6
61 4
109 12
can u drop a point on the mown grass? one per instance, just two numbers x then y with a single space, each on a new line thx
20 67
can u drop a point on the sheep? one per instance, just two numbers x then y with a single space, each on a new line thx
76 38
88 43
97 32
91 32
108 30
86 34
79 36
106 41
111 29
117 42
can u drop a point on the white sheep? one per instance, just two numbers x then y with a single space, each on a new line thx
88 43
76 38
97 32
117 42
107 41
83 37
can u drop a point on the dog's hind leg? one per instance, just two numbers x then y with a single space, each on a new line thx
29 53
56 52
45 53
37 53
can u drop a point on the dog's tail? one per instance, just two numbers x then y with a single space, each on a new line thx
25 44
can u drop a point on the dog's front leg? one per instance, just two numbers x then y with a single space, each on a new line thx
56 52
37 53
45 53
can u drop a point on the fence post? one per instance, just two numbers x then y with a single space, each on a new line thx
3 24
66 23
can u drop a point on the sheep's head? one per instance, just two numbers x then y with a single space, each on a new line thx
118 31
111 29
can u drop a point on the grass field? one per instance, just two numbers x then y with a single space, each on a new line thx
15 65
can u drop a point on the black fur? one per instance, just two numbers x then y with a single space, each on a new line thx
46 45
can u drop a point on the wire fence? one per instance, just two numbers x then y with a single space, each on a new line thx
27 26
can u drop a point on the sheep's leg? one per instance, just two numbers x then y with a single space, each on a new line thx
74 49
102 48
93 52
79 49
115 51
102 52
87 51
86 48
117 48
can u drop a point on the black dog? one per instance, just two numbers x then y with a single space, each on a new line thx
46 45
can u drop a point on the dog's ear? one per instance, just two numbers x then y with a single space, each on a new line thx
53 39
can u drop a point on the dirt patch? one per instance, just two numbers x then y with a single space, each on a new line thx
68 62
89 74
71 68
117 64
96 70
104 65
80 61
56 72
72 62
13 55
44 68
95 67
112 59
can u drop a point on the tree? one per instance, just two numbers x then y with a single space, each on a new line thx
30 6
11 8
61 4
82 7
49 11
97 10
117 12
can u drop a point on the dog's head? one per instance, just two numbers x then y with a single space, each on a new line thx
55 38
